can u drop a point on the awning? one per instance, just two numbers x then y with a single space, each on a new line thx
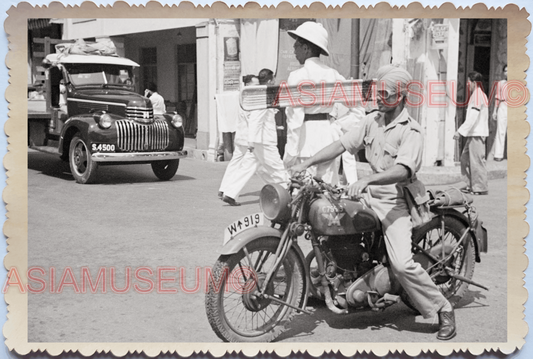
34 24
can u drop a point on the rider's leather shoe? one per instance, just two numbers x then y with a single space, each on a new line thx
230 201
446 325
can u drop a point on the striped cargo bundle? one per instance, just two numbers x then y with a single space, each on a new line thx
351 93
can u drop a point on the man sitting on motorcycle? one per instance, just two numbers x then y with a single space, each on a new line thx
393 143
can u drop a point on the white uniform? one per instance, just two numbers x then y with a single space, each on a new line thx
262 133
158 103
344 122
241 145
307 136
501 117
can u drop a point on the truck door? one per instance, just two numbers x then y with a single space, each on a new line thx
58 101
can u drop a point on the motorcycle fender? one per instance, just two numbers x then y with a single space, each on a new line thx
478 242
242 239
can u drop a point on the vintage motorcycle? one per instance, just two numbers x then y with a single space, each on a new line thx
262 278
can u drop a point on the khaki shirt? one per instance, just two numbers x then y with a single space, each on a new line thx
399 142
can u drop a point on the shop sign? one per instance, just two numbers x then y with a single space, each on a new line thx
439 36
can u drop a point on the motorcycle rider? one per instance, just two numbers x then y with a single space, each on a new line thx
393 143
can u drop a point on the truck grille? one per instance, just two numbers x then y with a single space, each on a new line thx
140 114
132 136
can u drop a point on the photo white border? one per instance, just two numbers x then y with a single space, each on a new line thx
525 352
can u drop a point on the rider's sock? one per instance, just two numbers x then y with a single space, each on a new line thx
447 307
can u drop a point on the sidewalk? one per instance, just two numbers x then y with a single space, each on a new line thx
429 175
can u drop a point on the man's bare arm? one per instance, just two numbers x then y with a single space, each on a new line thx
326 154
395 174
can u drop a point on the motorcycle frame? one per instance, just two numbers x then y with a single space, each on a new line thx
288 236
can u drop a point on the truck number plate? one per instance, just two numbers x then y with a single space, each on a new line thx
249 221
102 147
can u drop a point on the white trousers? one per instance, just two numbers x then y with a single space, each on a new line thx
233 168
349 167
501 131
264 157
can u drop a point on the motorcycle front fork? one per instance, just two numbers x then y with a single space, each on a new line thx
284 246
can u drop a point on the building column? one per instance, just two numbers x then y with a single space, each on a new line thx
206 136
452 77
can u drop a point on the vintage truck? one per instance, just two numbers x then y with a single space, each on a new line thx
91 116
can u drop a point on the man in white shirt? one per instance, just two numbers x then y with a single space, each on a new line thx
158 102
309 128
476 130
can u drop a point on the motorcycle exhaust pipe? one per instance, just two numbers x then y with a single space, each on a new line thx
329 301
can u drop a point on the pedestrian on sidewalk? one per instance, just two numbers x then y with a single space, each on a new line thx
475 129
240 142
262 152
500 116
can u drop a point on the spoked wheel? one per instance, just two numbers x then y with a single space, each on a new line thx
82 166
455 256
235 306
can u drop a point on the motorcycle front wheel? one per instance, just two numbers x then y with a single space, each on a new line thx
459 256
236 310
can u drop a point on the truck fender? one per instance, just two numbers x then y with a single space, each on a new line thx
242 239
72 126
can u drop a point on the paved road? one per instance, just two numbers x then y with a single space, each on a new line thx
132 220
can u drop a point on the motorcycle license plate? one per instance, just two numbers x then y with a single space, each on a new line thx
249 221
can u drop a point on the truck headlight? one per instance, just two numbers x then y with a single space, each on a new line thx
104 121
177 121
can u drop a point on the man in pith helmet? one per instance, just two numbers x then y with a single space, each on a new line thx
309 129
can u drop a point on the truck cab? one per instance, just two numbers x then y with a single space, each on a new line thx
93 117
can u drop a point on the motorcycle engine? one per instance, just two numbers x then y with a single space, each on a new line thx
350 254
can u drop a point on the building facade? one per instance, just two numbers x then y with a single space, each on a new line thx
197 64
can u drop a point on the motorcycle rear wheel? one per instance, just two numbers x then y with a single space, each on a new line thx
235 312
462 258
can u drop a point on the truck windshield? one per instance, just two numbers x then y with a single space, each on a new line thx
100 75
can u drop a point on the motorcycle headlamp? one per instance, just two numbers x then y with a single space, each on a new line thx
177 121
274 201
104 121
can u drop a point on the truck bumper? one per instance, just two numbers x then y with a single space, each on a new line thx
138 156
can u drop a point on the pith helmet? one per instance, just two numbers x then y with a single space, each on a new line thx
314 33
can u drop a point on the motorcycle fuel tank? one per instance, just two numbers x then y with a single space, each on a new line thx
343 216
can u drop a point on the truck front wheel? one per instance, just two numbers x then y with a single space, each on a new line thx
165 170
82 166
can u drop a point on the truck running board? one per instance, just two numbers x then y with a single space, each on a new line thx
47 149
